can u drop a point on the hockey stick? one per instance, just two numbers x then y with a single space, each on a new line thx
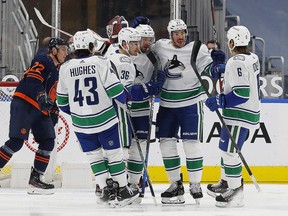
40 17
124 107
213 23
154 61
196 47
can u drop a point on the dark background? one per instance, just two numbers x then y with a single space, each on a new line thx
79 15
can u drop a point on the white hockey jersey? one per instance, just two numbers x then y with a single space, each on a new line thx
242 76
87 86
113 48
144 72
124 67
182 87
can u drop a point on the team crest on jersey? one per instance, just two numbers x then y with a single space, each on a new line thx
174 68
125 59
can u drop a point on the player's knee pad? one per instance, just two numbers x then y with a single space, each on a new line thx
230 158
192 148
46 145
134 151
114 155
13 145
168 147
95 156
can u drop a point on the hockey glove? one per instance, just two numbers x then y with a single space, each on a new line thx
215 102
218 64
54 114
45 103
154 88
140 20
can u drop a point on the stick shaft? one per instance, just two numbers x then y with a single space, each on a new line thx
42 20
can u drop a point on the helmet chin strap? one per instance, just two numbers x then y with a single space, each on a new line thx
127 49
55 56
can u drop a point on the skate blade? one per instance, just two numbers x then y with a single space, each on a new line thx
112 203
127 201
173 200
229 204
39 191
137 201
212 194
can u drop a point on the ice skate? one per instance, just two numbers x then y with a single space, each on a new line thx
37 186
139 198
108 193
196 192
217 189
174 194
231 198
126 195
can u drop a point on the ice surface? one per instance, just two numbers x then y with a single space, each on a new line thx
271 201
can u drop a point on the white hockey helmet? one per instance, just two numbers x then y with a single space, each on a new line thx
176 25
128 34
240 35
101 42
145 30
83 39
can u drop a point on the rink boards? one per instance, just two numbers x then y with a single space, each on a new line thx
265 151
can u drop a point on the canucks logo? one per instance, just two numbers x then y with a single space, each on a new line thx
174 68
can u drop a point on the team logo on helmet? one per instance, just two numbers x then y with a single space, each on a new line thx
56 42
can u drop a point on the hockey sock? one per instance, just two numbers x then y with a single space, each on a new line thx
171 158
194 160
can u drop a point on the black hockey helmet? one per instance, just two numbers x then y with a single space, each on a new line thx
56 42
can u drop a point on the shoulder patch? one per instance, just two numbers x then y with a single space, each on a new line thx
125 59
102 57
239 57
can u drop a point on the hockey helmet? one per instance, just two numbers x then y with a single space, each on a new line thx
57 43
240 35
176 25
145 31
128 34
114 26
83 40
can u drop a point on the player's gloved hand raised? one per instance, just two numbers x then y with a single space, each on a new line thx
54 114
140 20
44 101
218 64
215 102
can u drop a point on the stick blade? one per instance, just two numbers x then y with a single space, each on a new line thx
40 17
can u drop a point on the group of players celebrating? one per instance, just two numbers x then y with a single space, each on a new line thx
108 89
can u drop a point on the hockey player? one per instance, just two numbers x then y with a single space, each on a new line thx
86 90
123 66
241 112
112 29
33 107
181 107
144 87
